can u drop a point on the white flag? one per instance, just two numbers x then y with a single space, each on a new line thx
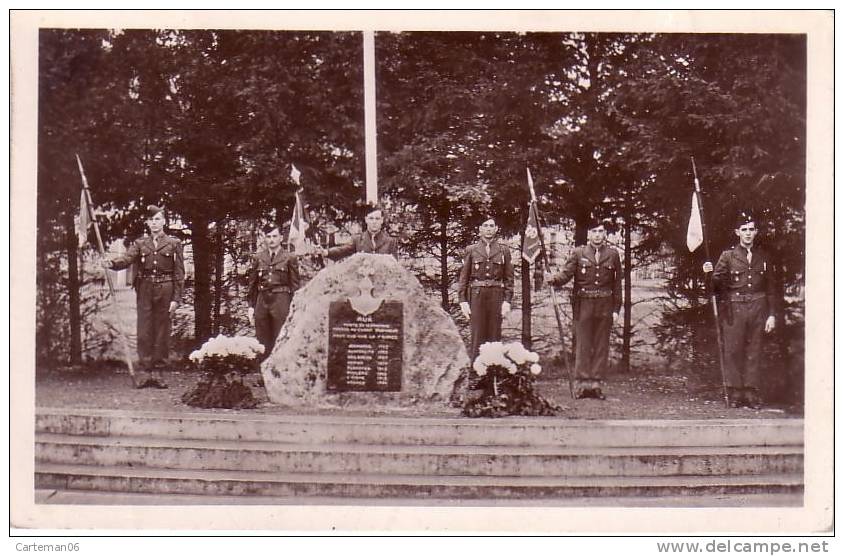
694 235
83 219
295 174
530 186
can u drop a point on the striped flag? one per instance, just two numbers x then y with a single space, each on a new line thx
694 234
296 238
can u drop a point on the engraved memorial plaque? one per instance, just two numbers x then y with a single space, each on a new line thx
365 351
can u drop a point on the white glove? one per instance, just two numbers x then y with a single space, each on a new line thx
173 306
707 267
464 307
106 263
770 324
505 308
251 314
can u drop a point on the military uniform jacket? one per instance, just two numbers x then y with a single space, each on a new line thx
163 263
277 274
381 243
483 268
593 274
733 278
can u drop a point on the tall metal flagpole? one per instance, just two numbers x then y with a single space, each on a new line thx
710 287
550 287
369 108
126 352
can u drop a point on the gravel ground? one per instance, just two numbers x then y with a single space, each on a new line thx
633 396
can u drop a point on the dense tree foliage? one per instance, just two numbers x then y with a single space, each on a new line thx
207 123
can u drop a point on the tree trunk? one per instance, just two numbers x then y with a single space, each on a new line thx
444 260
627 331
219 262
73 285
202 278
581 224
527 305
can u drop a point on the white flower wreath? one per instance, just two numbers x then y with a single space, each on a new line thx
222 345
512 356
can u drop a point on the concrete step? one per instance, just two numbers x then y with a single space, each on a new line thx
536 461
265 485
699 500
512 431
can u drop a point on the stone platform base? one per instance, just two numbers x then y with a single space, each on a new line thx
92 454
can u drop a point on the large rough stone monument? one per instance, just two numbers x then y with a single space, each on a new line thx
364 332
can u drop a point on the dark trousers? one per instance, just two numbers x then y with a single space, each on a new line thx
154 322
270 313
592 330
743 343
485 303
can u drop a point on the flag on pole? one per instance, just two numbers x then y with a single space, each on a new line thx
530 186
296 238
295 174
83 220
694 235
532 245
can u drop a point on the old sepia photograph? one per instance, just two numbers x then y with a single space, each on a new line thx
402 270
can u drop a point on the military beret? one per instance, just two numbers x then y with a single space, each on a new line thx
270 227
743 217
597 219
370 208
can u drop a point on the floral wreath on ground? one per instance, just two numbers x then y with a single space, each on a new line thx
224 360
506 374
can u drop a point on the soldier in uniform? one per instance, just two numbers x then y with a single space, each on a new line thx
374 240
159 272
744 279
273 278
596 269
485 287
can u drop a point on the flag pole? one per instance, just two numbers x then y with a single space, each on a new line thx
550 287
93 218
369 111
709 286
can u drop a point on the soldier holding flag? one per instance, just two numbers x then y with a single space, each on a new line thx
744 279
596 270
374 240
274 273
159 281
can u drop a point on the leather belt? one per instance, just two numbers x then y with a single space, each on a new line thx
276 289
738 297
488 284
594 293
158 278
